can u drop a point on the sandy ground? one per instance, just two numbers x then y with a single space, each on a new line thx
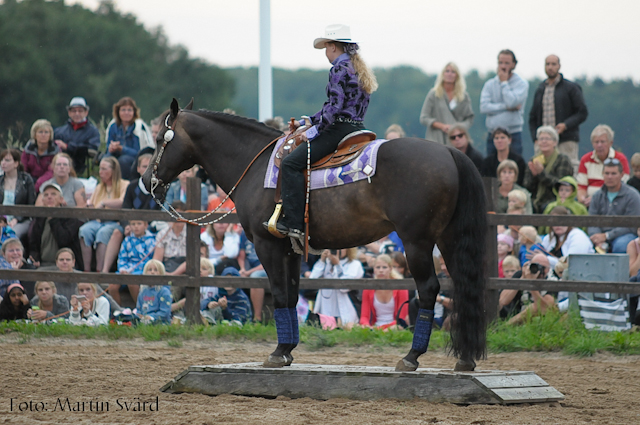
48 372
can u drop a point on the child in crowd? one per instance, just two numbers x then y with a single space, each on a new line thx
207 270
510 266
89 307
230 304
517 198
154 302
136 250
6 232
566 190
15 304
635 167
47 303
529 243
505 247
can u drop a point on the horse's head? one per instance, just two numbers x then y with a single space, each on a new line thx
172 155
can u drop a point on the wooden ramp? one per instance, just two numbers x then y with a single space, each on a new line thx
323 382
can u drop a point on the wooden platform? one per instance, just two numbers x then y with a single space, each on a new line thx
323 382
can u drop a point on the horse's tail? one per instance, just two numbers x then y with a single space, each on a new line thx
466 234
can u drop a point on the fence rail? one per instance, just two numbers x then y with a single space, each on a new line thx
192 280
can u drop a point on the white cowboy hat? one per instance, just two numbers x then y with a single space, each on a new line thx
337 32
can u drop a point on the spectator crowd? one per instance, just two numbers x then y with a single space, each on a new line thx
554 181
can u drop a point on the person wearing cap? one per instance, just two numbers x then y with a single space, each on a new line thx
39 152
351 83
15 305
78 135
48 234
73 191
566 191
234 303
127 135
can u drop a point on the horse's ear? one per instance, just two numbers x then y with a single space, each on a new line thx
189 105
174 108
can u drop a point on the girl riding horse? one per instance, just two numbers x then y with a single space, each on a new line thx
351 83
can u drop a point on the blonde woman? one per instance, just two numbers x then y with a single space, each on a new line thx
384 308
108 194
87 308
39 151
351 83
48 302
446 104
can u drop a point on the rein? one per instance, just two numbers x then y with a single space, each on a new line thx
155 182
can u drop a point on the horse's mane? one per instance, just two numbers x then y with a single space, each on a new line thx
239 121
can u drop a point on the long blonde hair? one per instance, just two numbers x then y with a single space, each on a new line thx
366 77
116 180
459 87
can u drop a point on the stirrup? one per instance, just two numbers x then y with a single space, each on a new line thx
272 224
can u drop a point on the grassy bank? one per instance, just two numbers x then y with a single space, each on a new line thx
551 333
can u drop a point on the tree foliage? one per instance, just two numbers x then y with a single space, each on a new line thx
52 51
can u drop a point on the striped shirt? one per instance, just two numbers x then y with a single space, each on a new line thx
591 169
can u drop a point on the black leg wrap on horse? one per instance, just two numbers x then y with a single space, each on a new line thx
422 331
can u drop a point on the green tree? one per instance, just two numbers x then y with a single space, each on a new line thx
52 51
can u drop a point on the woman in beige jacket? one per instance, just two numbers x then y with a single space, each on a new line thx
447 104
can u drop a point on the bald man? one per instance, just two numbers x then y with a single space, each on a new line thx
559 103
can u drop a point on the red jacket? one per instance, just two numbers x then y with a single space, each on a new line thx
368 313
36 165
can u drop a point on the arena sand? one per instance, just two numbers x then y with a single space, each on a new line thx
85 375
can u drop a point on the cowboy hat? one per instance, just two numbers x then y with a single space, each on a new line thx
337 32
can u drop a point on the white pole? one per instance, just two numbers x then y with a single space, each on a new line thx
265 81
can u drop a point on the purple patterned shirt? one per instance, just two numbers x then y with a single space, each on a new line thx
346 98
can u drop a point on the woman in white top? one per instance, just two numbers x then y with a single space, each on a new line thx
88 310
564 240
223 243
341 264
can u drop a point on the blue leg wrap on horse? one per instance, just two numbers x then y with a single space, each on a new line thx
283 325
422 331
293 313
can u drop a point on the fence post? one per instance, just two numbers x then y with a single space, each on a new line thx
192 302
491 258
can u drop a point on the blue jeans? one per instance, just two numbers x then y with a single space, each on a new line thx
619 244
516 144
94 232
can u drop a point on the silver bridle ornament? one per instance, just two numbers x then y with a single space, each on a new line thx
156 182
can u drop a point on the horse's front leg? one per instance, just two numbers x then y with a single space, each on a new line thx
420 260
283 269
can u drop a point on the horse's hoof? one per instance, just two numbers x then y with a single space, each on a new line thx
277 361
405 365
465 366
289 358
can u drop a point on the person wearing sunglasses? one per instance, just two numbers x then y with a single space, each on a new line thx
459 138
590 171
613 198
446 104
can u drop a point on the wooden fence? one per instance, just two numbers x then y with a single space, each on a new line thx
192 280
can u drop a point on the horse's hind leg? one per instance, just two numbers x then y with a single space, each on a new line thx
420 260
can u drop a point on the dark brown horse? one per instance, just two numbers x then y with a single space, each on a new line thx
425 191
